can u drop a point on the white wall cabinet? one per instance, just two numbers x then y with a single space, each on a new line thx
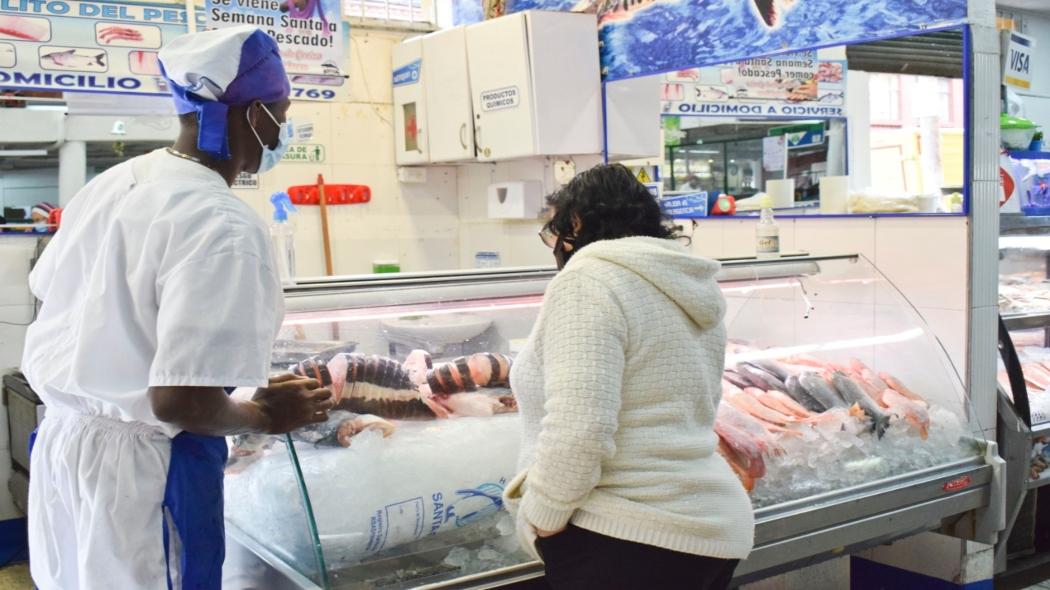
450 116
535 85
524 85
411 138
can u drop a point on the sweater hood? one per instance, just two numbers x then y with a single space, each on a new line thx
685 279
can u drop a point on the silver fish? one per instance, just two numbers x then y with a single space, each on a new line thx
853 394
759 378
773 368
799 394
735 378
71 59
818 389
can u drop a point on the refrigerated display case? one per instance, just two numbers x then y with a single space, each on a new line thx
418 503
1023 429
1024 304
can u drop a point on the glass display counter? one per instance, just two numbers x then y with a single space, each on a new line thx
841 414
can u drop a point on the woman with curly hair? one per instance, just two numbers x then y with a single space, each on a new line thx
621 486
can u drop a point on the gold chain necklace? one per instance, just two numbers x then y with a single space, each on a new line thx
179 154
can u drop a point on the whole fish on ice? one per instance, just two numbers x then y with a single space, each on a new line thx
760 378
800 395
853 394
415 389
817 387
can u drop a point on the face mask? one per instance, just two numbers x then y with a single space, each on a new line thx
271 156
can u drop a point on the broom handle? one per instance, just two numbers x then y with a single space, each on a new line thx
324 226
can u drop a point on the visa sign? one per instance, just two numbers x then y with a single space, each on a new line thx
1017 53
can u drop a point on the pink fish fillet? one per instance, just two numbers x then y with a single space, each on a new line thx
900 388
806 360
909 410
1035 374
867 374
470 404
786 405
730 389
736 463
748 402
745 447
729 415
25 29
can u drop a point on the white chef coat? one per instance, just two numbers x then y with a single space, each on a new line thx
159 275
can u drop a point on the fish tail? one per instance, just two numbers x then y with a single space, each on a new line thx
881 424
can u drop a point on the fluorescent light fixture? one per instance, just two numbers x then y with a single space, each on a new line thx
789 351
22 153
354 317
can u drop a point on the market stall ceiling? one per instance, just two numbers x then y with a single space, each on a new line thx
937 54
99 155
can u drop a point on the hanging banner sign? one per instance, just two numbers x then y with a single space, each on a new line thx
310 34
646 37
792 85
70 46
1017 55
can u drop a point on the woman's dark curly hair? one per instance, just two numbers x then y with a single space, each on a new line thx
609 203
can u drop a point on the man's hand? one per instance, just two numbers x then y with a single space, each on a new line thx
288 403
291 402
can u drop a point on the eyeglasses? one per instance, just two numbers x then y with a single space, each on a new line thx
548 236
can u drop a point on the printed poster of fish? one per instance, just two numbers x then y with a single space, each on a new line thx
795 84
644 37
311 34
73 46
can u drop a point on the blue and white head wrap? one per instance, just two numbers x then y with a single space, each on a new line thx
211 71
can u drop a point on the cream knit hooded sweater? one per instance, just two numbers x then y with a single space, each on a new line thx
617 388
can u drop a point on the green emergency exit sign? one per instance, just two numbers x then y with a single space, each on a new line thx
304 153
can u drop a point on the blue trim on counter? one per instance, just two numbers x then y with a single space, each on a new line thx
1028 155
14 541
865 574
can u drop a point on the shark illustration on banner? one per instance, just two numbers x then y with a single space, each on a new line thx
644 37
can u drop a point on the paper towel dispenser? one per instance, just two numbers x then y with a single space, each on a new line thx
515 200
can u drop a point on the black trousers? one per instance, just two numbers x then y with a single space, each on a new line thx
579 559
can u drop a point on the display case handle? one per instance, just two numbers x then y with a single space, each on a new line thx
463 136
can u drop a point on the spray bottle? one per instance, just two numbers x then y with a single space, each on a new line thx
282 235
767 232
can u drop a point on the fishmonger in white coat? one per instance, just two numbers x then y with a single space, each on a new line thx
159 294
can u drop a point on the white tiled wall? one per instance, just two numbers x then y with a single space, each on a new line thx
415 224
515 240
